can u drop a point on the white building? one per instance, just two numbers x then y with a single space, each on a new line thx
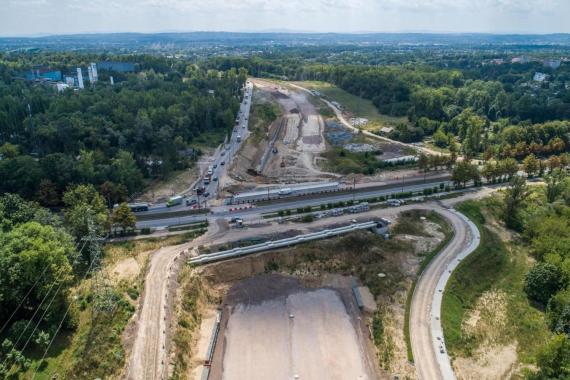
539 77
94 75
80 78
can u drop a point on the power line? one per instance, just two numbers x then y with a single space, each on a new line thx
24 299
31 289
39 308
59 326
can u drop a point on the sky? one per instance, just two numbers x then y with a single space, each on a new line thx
39 17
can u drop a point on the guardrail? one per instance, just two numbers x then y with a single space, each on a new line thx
243 251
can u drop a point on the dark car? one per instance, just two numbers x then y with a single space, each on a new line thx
206 194
223 163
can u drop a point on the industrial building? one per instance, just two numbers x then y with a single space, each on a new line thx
42 73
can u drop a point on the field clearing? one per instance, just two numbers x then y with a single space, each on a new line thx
354 105
297 334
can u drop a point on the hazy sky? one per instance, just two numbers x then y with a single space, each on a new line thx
25 17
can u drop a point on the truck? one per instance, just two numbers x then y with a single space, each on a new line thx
137 207
175 201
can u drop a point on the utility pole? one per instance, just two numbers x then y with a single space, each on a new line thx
100 283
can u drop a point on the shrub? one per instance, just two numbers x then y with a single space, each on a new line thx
543 281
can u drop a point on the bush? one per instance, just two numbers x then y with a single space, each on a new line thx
542 282
307 218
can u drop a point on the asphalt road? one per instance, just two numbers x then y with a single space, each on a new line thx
220 160
149 354
289 203
428 345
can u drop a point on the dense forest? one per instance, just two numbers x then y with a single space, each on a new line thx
114 137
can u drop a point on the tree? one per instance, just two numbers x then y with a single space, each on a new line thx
26 252
423 162
490 171
515 195
558 312
542 282
554 184
113 193
508 167
47 193
530 165
14 211
85 205
124 217
440 139
9 150
553 360
464 172
126 172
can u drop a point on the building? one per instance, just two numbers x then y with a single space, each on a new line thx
120 67
90 74
522 59
41 73
552 63
80 78
539 77
70 81
94 73
61 87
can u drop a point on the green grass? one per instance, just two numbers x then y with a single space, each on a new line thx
495 265
354 104
94 349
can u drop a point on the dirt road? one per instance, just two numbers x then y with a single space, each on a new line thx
149 355
343 120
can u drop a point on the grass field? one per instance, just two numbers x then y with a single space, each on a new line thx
497 266
355 105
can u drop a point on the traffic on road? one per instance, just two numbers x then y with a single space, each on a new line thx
207 187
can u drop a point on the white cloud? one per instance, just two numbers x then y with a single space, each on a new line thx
71 16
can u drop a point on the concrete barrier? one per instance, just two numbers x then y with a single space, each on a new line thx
243 251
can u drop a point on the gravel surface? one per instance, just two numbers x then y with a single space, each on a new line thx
279 330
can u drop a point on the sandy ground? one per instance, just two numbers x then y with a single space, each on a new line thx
160 191
300 140
496 363
339 114
276 329
151 327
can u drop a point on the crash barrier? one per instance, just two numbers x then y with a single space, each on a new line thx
211 346
243 251
170 214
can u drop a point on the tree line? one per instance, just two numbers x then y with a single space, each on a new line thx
114 137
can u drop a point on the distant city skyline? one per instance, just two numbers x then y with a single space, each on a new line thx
49 17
